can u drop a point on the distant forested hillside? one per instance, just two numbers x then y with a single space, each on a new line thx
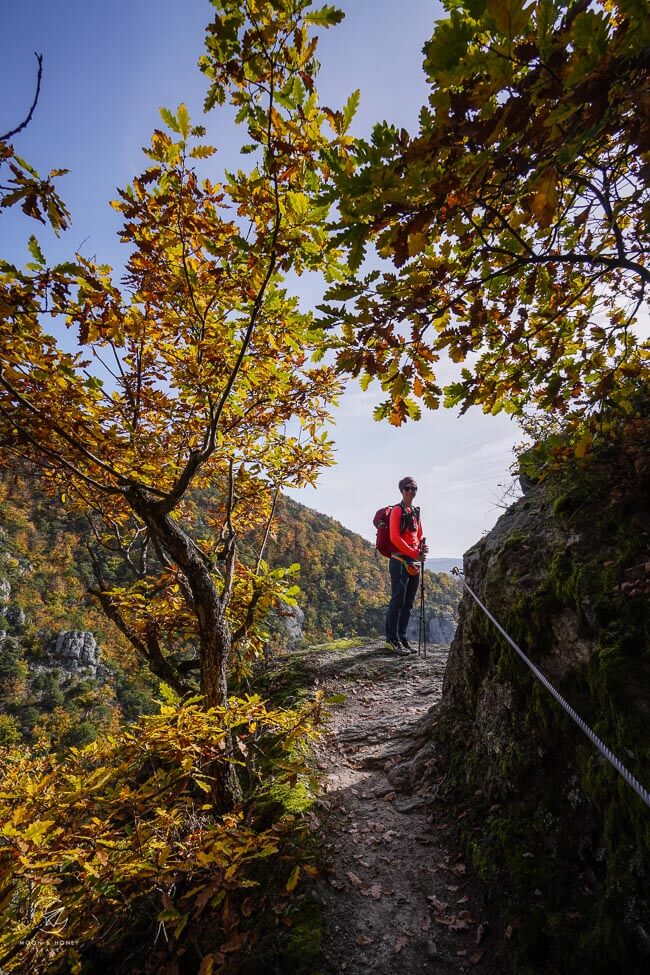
57 689
343 580
56 702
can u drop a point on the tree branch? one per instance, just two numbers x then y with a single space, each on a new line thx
267 531
57 457
23 125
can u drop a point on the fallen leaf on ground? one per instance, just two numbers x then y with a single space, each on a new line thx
445 920
363 939
477 956
375 891
481 931
426 924
459 924
459 869
438 904
354 880
399 944
293 879
466 916
234 943
390 797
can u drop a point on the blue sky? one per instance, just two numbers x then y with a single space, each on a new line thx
108 68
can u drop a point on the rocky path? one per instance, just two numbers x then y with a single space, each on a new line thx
397 896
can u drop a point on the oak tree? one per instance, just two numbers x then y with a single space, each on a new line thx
516 217
193 373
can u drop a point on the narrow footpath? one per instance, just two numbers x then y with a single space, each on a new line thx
396 895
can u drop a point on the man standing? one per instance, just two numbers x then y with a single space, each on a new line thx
409 551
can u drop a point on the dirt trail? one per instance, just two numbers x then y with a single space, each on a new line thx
398 896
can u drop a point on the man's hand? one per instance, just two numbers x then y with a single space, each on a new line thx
424 548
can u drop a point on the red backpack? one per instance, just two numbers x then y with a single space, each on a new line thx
380 521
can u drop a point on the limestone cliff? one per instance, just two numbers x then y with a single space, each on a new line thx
440 627
562 840
76 652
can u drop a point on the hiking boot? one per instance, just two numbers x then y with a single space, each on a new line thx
407 646
397 647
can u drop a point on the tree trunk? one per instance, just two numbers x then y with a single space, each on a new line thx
215 637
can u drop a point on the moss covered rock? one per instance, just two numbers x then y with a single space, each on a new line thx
561 838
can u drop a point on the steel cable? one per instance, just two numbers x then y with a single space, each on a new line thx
640 790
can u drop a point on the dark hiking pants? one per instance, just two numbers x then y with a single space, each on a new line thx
403 590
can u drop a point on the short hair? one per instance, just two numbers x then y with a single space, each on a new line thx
405 480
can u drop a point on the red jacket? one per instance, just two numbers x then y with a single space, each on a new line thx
409 542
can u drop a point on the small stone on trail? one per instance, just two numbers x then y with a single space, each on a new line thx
431 949
410 804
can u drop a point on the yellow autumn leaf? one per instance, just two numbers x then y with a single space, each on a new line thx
546 197
510 16
207 965
293 879
417 243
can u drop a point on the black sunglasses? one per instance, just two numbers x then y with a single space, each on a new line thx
410 487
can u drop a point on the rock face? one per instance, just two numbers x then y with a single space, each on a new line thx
75 651
15 616
293 622
560 834
286 627
440 627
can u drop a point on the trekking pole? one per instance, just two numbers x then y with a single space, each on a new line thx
422 635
